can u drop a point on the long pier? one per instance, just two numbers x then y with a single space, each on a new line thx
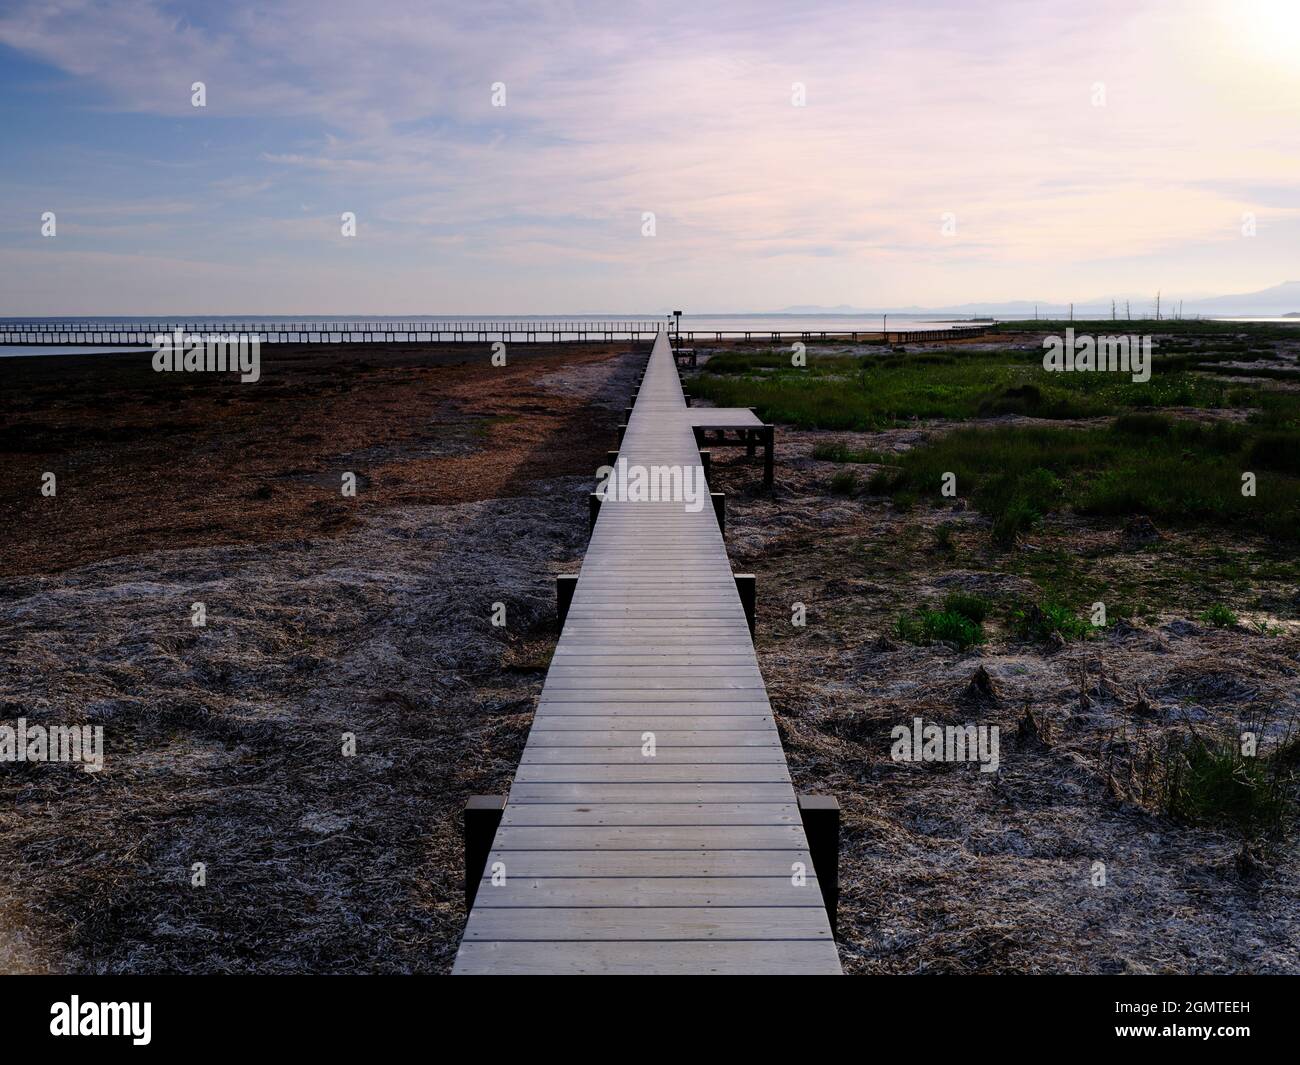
107 333
652 826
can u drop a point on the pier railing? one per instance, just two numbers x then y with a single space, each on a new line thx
104 333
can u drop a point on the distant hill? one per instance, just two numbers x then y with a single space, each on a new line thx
1273 302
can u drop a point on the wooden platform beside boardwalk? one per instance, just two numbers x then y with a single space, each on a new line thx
684 862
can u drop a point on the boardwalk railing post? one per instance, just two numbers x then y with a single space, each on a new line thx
747 586
821 824
482 818
565 583
769 455
720 511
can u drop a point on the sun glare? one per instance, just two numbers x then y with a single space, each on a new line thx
1268 30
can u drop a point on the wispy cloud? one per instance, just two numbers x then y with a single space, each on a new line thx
986 114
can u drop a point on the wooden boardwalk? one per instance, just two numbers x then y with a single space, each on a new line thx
684 862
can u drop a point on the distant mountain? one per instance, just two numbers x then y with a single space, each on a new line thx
1277 301
812 308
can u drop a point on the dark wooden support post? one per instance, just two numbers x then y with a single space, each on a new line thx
747 586
687 397
750 442
720 512
565 583
706 460
627 415
821 824
769 455
621 430
482 817
611 458
593 511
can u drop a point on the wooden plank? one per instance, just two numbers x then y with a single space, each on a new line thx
652 771
753 958
643 838
537 791
699 813
545 737
658 892
563 720
639 923
631 754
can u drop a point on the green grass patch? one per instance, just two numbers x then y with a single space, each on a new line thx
1211 781
972 607
939 626
873 391
1219 616
1185 328
1042 622
1174 471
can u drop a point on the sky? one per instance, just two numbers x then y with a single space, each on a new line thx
503 157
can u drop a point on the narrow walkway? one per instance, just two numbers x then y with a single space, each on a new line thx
684 862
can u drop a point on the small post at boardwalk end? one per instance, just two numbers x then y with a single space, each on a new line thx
720 512
747 586
482 818
565 583
821 824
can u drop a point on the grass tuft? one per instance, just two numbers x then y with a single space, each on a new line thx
1042 622
935 626
1219 616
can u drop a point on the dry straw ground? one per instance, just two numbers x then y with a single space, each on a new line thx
371 616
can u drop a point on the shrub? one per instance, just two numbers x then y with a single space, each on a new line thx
844 483
1042 622
1219 616
973 607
